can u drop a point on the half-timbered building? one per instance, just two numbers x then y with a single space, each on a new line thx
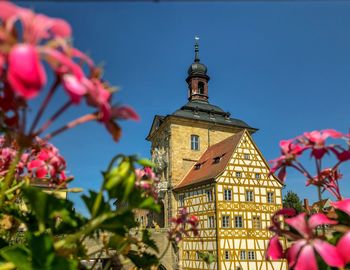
209 163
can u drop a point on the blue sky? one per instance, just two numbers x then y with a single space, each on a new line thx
283 67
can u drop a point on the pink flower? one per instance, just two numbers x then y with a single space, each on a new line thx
343 247
7 10
182 222
38 168
26 74
274 249
75 89
2 63
317 141
99 97
301 255
290 151
125 113
37 27
343 205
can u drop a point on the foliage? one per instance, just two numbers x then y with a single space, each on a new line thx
292 200
38 229
320 240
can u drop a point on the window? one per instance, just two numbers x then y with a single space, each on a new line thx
211 222
181 200
187 254
209 195
227 194
249 196
201 88
225 221
195 142
197 166
270 197
238 174
242 255
256 222
251 255
227 255
257 176
238 222
216 160
246 156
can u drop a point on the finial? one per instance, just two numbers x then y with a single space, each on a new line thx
196 49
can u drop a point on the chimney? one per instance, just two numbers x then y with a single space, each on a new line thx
306 206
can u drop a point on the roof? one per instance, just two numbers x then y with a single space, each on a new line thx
321 204
202 110
212 163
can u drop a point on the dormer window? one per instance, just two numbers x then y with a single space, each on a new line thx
201 88
216 160
195 142
197 166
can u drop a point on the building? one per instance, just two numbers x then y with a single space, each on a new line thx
209 163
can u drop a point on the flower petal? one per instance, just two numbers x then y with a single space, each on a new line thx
299 223
343 247
293 252
7 10
26 74
125 113
320 219
329 253
343 205
306 259
332 133
274 250
74 88
61 28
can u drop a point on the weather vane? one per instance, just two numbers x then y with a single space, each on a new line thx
196 49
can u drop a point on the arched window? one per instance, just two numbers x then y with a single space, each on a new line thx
194 142
201 88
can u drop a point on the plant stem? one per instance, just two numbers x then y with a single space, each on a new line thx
88 228
44 104
165 251
72 124
54 117
9 178
10 190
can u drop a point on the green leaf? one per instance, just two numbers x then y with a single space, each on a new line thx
146 163
119 243
207 257
18 255
60 263
146 238
115 224
129 185
144 260
48 209
90 202
116 175
150 204
43 252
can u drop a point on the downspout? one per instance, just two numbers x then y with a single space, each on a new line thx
217 226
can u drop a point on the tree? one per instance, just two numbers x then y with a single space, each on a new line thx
292 200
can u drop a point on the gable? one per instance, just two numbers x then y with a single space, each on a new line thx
248 161
157 121
212 163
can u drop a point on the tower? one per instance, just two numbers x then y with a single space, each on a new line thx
179 139
209 163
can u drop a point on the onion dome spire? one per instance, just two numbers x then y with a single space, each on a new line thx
197 77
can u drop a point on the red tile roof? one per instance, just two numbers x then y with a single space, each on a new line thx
206 168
